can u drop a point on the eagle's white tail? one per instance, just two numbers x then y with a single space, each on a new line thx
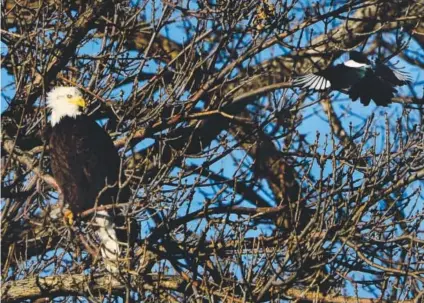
110 249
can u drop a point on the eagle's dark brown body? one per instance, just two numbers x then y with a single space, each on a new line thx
84 160
86 166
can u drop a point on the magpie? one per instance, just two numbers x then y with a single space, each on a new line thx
359 78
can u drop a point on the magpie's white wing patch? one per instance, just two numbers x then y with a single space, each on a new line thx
312 81
354 64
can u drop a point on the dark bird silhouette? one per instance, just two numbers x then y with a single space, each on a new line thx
359 77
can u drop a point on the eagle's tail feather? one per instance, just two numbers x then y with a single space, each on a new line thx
110 249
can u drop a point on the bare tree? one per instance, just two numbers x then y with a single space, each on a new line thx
245 189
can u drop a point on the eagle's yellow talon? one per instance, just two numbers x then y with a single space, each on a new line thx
68 217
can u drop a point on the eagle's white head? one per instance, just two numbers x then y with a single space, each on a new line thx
65 101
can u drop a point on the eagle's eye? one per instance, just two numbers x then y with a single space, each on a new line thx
69 96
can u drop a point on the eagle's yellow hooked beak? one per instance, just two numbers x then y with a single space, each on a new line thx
79 101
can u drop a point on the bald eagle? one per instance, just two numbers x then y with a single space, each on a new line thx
86 167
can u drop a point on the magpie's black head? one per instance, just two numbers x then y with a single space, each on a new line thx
358 57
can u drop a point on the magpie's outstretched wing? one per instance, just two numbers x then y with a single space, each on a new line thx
316 81
372 87
394 76
334 77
